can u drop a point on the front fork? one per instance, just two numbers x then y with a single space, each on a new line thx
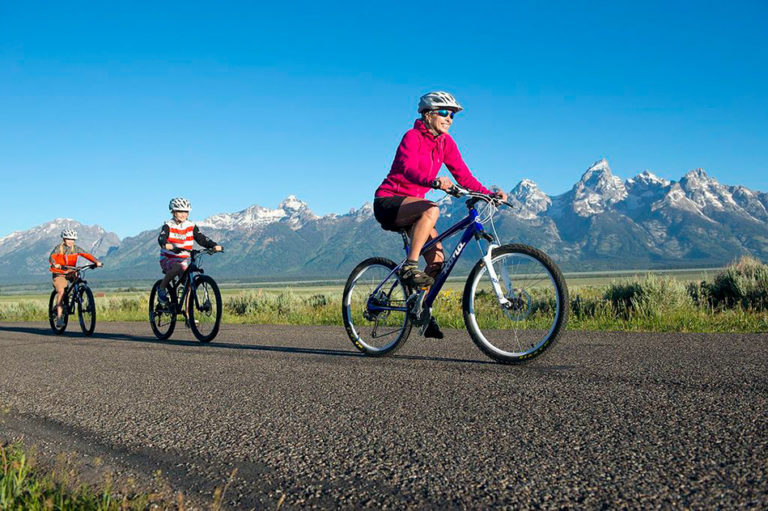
487 259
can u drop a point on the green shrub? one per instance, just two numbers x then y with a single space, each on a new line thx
22 311
652 296
253 303
587 305
742 284
316 301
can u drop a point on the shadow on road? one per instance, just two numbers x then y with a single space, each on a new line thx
219 345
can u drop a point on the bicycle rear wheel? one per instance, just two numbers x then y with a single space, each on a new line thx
537 308
52 313
204 308
371 289
86 310
162 318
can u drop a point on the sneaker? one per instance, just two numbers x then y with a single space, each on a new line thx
162 296
433 330
60 321
412 276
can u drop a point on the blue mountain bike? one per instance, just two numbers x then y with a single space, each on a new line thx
515 301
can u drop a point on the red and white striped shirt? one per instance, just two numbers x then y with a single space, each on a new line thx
181 236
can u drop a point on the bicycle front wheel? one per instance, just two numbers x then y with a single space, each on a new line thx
162 317
86 310
205 308
373 307
52 313
532 313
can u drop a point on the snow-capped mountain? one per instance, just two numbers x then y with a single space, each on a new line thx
602 222
530 201
714 198
597 190
26 252
364 213
90 237
291 210
675 198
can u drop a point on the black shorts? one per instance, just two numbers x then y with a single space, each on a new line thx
385 211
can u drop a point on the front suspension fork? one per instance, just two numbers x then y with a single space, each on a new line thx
487 259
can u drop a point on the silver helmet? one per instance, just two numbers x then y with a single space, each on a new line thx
437 100
69 234
179 204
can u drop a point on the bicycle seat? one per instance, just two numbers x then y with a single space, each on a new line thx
394 228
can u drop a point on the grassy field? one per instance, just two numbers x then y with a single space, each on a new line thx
732 299
26 484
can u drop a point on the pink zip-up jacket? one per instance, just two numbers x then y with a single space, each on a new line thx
418 160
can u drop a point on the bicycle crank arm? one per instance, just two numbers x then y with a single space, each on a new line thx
423 321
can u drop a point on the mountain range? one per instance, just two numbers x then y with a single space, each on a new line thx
602 222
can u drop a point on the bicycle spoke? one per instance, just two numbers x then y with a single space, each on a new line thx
534 310
371 288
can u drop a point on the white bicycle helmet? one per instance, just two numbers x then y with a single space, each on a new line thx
179 204
69 234
437 100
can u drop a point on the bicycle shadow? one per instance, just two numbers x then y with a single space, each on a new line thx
233 346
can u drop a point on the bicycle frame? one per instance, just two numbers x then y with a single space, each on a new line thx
187 278
71 294
472 228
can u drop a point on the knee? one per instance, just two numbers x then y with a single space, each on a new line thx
432 214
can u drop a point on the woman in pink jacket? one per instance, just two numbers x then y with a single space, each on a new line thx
399 201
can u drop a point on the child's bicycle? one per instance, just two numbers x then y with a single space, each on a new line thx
77 297
193 295
515 301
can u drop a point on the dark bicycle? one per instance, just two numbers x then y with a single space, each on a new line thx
193 295
515 301
77 297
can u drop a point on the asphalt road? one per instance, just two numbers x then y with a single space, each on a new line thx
605 419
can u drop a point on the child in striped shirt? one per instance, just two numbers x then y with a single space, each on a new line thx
176 239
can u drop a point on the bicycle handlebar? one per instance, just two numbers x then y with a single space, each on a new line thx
196 251
209 251
459 192
79 268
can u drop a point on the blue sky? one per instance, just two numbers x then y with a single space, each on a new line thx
109 109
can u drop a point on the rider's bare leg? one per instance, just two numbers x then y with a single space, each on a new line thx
60 284
176 270
422 215
434 257
59 297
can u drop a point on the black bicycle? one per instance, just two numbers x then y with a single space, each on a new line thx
193 295
78 297
515 301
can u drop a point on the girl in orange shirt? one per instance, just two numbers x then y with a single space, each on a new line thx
65 254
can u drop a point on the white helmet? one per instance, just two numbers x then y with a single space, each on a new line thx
179 204
437 100
69 234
